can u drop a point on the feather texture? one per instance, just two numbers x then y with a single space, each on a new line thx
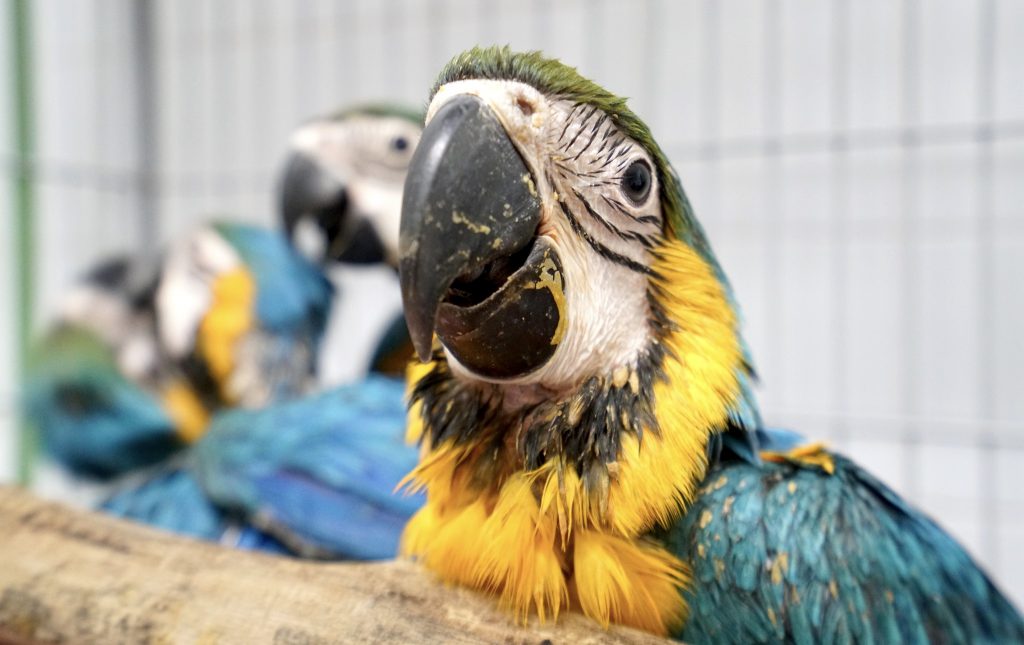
92 418
782 550
318 473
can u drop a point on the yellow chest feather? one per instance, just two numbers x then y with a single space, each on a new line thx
533 543
542 540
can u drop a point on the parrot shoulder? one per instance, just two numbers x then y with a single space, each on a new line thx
805 543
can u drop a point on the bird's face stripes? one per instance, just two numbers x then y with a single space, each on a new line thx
603 220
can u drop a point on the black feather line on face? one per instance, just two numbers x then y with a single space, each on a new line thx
569 121
601 249
583 123
627 236
593 135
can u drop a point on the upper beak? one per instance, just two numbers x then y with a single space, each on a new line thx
468 201
307 189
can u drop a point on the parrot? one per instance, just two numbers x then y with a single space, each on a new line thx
242 314
340 200
98 389
144 351
341 186
584 398
314 476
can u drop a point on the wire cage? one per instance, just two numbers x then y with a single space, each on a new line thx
859 167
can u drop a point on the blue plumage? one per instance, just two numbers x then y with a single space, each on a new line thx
91 417
321 471
318 474
785 551
174 500
192 513
292 294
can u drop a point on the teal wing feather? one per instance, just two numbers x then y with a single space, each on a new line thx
320 472
785 552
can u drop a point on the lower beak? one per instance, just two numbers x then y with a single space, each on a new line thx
472 267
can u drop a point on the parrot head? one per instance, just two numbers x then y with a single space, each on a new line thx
582 346
341 187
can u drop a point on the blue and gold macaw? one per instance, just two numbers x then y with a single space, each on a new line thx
341 188
341 196
242 313
141 356
99 390
317 473
591 439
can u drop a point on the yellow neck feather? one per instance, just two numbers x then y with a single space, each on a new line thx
542 539
230 316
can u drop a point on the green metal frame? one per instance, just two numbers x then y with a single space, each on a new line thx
23 209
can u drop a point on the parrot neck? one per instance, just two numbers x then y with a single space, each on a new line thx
549 504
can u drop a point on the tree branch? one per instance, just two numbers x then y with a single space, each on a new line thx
78 577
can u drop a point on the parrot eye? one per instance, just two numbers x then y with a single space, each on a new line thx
636 182
400 144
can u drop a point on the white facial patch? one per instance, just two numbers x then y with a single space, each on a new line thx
185 292
579 160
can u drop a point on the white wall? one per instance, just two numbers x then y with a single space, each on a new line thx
858 166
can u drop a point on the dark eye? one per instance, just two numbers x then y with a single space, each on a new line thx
636 182
400 144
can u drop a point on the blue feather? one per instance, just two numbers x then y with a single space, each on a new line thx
320 471
318 475
292 294
173 500
788 552
90 417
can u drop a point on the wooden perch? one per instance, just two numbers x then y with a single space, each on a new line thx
69 576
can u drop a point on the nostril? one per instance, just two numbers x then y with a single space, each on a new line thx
525 105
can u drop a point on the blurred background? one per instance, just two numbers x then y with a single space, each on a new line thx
859 167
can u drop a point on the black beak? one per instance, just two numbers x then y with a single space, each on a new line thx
471 265
310 190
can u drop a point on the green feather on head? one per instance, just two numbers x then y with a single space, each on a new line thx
380 110
554 78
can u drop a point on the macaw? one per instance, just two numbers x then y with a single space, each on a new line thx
242 314
102 396
341 188
143 352
340 200
590 435
317 473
